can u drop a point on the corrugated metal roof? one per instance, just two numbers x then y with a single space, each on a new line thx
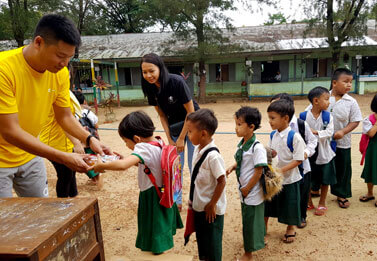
253 39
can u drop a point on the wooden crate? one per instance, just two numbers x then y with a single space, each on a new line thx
50 229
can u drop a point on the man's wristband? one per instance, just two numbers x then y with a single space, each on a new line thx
88 140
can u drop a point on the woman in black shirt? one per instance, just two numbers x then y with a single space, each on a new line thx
171 97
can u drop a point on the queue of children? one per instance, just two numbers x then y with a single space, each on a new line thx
305 152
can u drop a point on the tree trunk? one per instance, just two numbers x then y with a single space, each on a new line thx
199 28
335 54
18 14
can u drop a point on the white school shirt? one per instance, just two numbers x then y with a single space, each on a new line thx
367 125
91 116
325 153
310 146
150 156
285 156
344 111
211 169
249 162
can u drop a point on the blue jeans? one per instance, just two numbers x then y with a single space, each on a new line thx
190 152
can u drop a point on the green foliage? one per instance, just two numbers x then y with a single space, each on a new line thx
277 18
126 16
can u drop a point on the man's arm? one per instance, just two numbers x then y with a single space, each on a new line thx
12 133
70 125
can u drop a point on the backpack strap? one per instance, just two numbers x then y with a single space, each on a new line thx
291 135
372 118
196 170
272 134
301 128
303 115
147 170
325 119
252 148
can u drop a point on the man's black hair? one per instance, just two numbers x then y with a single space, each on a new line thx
79 96
373 105
282 107
316 92
250 115
282 96
337 73
136 123
204 119
150 90
53 28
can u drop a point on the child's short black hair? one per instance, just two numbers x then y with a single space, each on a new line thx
204 119
53 28
373 105
316 92
136 123
79 96
282 107
337 73
282 96
250 115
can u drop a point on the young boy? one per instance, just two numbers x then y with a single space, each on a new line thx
347 115
322 164
250 158
304 130
286 205
209 200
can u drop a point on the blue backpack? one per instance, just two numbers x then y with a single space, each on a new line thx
290 137
291 134
326 121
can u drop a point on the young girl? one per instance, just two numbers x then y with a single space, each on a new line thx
156 224
370 169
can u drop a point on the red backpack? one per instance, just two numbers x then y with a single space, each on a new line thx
171 174
364 141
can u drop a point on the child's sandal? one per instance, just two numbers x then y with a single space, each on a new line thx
286 237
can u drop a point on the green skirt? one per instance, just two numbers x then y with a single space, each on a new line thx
370 168
342 188
325 173
253 227
286 205
156 224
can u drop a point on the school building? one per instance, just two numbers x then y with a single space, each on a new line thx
272 59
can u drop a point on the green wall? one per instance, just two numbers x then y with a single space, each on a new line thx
269 89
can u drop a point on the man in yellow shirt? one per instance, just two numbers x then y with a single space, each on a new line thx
32 80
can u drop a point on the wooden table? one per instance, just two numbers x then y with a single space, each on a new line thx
50 229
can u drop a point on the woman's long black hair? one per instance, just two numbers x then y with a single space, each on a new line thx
151 89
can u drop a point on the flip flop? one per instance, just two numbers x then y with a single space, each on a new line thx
342 203
286 236
310 207
366 199
320 211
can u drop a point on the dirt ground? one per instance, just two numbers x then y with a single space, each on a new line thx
342 234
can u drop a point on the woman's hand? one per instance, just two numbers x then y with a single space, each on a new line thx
180 144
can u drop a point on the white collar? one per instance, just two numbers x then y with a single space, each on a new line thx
209 145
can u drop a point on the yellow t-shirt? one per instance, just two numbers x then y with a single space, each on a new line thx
53 135
31 95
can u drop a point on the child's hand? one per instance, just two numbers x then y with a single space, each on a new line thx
338 135
119 155
99 166
273 153
245 191
305 155
210 210
314 132
230 169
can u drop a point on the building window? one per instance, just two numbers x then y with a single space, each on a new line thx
270 72
127 76
316 68
222 72
369 65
